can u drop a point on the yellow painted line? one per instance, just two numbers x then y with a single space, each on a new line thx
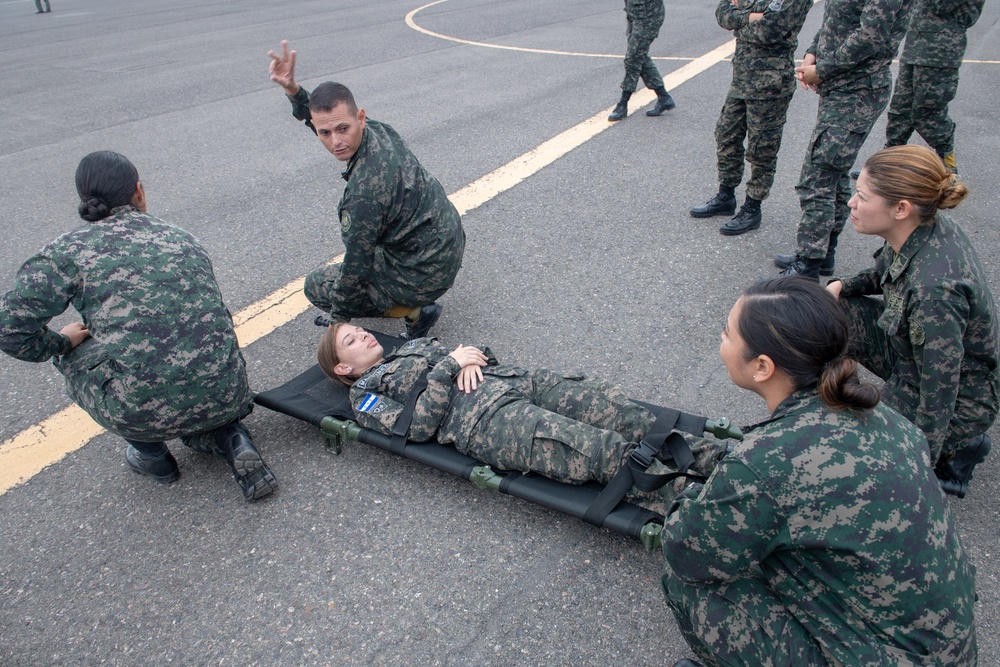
520 168
39 446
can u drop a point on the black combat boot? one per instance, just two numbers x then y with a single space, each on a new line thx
829 262
956 473
746 220
621 109
663 103
254 477
152 459
723 203
825 269
429 315
806 267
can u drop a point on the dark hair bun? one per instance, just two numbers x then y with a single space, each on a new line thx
93 209
840 388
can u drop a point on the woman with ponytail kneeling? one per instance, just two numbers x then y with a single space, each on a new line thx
823 538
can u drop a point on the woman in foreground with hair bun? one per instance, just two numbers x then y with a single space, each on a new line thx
933 336
155 356
823 537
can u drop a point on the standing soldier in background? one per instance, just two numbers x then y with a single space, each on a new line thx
403 238
848 65
643 21
763 82
928 75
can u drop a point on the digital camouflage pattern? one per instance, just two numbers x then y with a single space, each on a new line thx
856 42
823 538
843 122
761 89
934 338
761 123
853 47
936 36
563 426
403 237
928 72
643 19
920 103
163 360
764 64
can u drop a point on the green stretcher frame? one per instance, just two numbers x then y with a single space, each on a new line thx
314 398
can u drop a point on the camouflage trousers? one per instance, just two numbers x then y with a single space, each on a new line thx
643 21
572 429
872 347
842 125
381 294
741 622
109 396
920 103
761 123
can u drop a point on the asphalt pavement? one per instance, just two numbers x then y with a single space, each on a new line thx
590 264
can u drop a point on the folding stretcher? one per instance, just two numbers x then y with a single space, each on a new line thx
314 398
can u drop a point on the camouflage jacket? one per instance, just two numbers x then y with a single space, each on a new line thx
843 518
442 412
856 42
395 218
942 323
936 37
147 294
764 64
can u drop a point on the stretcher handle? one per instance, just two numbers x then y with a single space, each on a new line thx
723 428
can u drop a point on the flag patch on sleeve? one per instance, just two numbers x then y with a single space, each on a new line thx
368 403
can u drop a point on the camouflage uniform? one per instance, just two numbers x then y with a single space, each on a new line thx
853 48
928 73
935 341
163 361
563 426
403 237
761 90
643 19
822 539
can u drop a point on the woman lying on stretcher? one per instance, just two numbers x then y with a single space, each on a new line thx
566 427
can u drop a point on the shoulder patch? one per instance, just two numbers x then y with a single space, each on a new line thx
775 5
917 335
368 403
345 221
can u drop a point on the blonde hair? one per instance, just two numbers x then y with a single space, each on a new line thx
916 174
326 354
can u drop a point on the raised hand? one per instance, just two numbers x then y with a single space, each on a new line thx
282 68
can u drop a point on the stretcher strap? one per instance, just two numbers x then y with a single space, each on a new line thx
402 426
633 473
405 418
